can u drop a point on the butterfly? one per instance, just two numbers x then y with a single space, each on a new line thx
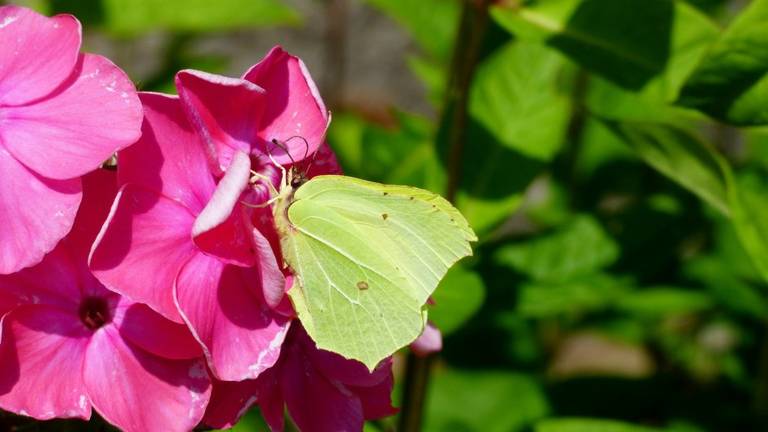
365 257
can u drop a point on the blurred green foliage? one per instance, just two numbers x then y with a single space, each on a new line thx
615 166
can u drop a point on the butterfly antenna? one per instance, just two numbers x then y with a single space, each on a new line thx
306 144
282 147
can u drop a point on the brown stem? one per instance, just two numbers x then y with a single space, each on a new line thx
469 42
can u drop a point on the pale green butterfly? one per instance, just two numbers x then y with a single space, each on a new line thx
365 258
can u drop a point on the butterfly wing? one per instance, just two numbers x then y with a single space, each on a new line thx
367 257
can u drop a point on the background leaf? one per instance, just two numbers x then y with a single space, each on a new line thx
498 402
589 425
516 97
458 297
731 82
580 247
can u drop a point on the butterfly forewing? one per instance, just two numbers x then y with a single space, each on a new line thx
367 257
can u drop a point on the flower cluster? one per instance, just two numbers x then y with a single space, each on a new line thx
156 294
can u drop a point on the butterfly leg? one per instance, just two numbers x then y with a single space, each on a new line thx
284 181
266 180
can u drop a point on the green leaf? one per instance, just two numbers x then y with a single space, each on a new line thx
577 295
432 23
749 205
131 17
493 179
580 247
663 301
680 156
515 96
636 44
483 401
457 298
366 257
729 290
731 82
433 75
589 425
404 154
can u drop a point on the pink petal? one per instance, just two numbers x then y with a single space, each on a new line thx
151 332
221 303
222 229
54 281
35 213
78 127
8 301
137 391
377 400
323 161
225 112
42 354
273 283
230 401
314 402
99 190
37 53
430 341
294 107
338 368
142 246
169 158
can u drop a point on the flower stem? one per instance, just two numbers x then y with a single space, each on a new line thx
466 54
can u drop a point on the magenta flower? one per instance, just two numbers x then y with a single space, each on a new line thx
62 114
185 185
275 99
71 345
179 240
321 390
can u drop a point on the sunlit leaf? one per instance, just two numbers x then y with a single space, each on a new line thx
749 205
731 82
130 17
680 156
516 97
589 425
580 247
576 295
633 43
662 301
497 402
458 297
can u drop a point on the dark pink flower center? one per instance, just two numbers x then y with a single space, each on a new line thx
94 312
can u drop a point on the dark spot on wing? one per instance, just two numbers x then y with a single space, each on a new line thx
410 198
384 216
386 193
362 285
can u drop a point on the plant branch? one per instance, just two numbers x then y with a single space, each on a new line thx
469 42
466 54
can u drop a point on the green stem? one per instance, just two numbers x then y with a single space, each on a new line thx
466 54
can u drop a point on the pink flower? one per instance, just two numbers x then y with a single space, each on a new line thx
275 99
185 183
179 240
62 114
71 345
429 342
321 390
